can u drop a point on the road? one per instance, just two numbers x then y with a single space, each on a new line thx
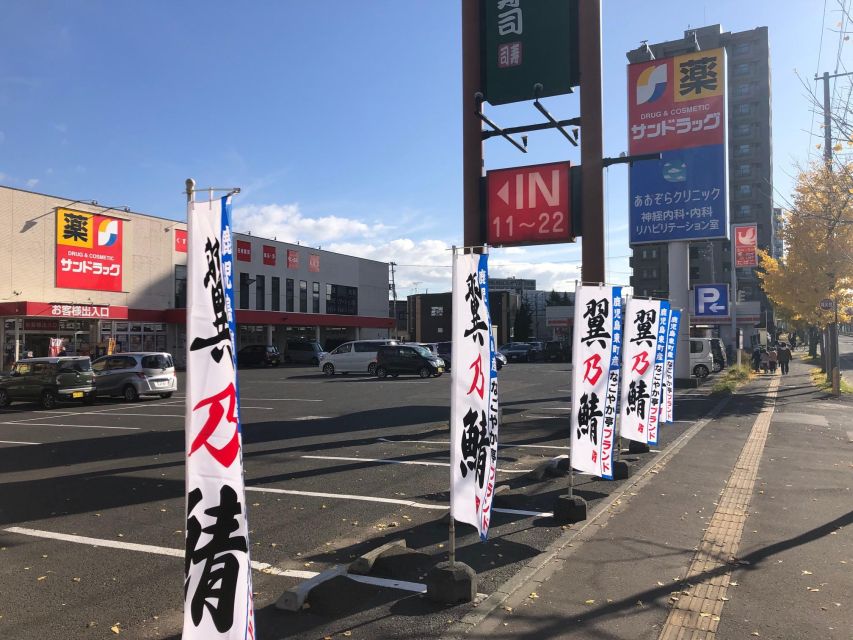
92 502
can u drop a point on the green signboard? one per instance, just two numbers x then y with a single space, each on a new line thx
528 42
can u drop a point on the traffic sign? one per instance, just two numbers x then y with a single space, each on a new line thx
827 305
529 205
711 300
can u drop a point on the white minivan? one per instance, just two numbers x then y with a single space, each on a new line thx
701 357
358 356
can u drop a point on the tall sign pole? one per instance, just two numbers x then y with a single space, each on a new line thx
592 141
472 142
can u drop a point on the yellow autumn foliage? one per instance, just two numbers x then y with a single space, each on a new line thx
818 237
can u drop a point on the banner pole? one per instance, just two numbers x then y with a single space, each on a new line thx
451 527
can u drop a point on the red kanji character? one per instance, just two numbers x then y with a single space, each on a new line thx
592 364
227 454
594 455
477 366
641 362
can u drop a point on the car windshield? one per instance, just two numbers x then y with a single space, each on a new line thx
158 361
426 353
75 365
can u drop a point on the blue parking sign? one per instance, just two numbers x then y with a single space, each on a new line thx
711 300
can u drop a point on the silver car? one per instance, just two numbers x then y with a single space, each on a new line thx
135 374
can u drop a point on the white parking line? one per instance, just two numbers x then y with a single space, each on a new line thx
501 445
405 503
422 463
242 397
14 442
60 424
263 567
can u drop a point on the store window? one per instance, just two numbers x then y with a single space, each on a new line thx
288 294
260 292
744 109
244 291
341 299
275 300
303 296
180 286
315 297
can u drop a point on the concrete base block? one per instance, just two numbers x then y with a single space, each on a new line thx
294 598
363 564
637 447
569 509
621 470
448 584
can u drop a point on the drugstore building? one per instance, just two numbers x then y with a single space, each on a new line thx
88 276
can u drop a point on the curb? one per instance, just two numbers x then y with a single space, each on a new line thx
537 565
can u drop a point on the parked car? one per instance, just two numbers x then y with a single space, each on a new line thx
131 375
516 352
557 351
358 356
718 350
445 352
303 351
537 350
407 358
258 355
48 381
701 357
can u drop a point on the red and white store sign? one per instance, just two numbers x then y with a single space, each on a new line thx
244 251
181 240
63 310
314 263
746 245
88 251
292 259
269 255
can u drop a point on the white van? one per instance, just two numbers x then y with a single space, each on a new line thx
357 357
701 357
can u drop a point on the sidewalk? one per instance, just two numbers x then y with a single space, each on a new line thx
742 532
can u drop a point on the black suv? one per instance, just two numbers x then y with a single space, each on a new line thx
258 355
48 381
557 351
407 358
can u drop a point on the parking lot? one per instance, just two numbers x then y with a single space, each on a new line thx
92 502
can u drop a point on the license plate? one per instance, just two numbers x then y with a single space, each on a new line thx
77 394
164 383
440 369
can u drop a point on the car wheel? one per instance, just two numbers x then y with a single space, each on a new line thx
381 372
701 371
329 369
165 396
717 367
4 398
371 369
130 393
48 399
424 372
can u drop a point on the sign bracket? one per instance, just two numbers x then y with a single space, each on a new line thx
537 91
497 131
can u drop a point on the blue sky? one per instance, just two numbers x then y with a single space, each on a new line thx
341 121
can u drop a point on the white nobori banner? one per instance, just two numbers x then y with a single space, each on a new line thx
668 402
474 412
218 581
595 377
642 319
656 392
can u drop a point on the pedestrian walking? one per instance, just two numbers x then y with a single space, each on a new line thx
784 358
765 360
793 338
756 359
773 357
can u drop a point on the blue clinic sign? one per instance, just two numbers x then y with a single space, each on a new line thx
711 300
682 196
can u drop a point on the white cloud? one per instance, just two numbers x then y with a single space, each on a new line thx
32 182
287 223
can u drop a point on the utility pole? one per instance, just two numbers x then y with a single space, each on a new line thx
832 371
394 298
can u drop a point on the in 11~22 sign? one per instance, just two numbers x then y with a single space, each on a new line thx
529 205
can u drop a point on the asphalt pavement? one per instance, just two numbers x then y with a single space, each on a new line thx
92 503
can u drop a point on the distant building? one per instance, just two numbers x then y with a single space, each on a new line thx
778 244
515 285
750 165
430 316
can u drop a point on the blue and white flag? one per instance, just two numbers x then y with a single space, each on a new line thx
595 377
218 602
669 367
656 391
474 412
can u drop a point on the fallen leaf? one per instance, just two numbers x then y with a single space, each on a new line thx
813 589
703 614
533 595
40 578
806 573
347 633
733 584
755 633
115 629
589 601
75 579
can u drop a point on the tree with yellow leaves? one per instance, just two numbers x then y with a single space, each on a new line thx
818 237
